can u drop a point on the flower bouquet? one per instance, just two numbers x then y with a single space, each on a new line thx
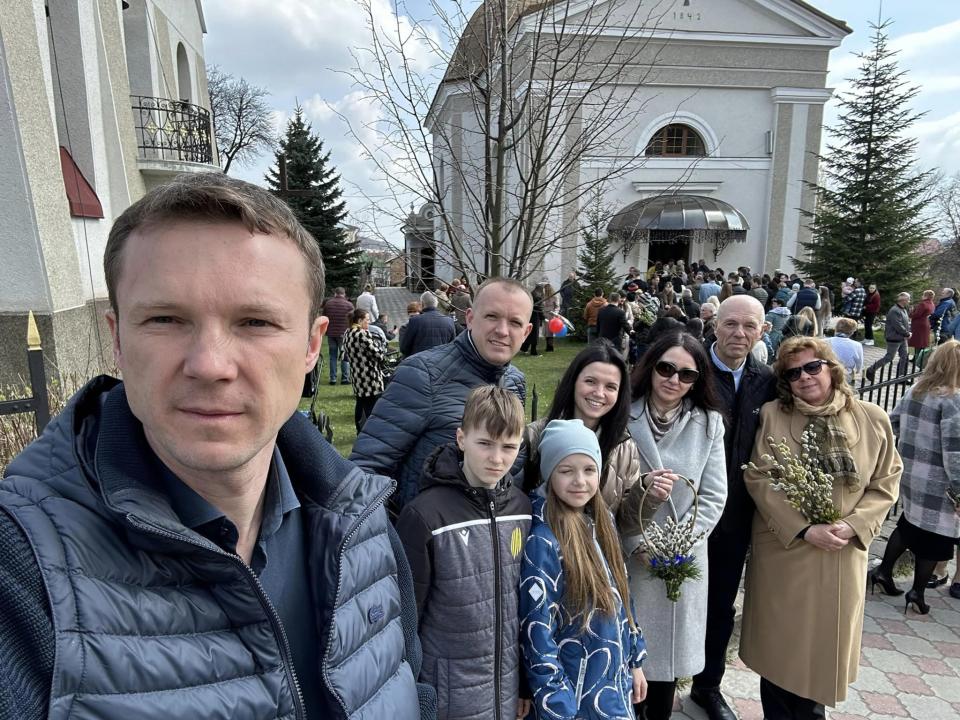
807 487
668 547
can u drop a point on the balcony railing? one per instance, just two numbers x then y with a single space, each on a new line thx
171 130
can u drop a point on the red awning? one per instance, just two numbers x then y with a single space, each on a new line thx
83 200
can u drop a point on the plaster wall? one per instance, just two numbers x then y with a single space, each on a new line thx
24 284
39 142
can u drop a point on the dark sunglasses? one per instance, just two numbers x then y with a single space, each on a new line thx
688 376
811 368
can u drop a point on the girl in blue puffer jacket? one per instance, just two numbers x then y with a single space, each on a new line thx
582 651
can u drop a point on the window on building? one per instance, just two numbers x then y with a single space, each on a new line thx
676 139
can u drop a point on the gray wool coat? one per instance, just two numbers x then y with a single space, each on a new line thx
693 448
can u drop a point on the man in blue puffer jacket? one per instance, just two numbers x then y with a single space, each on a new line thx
184 543
422 406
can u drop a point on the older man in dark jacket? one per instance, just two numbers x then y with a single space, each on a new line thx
896 333
743 386
428 329
423 404
184 543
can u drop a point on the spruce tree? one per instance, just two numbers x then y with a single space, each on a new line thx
869 221
321 213
596 264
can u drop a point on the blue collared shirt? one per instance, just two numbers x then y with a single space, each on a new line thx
279 561
737 374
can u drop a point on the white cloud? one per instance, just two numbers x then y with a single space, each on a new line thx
917 43
302 52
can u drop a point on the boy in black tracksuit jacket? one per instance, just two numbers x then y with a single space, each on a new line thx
464 534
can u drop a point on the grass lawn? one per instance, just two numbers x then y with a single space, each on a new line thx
543 372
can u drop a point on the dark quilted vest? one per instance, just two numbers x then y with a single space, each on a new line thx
154 621
806 297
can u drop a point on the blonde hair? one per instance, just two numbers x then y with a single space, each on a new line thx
846 326
822 350
494 409
587 583
810 316
942 373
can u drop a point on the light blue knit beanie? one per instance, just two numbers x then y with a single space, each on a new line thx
562 438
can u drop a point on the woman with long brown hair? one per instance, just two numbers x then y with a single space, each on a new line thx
582 649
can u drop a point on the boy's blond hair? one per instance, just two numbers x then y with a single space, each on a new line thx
494 409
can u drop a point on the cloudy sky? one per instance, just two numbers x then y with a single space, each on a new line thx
300 50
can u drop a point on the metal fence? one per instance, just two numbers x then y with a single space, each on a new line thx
171 129
37 403
888 387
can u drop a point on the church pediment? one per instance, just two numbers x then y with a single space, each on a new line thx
760 20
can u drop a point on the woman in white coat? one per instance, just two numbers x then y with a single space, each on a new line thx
678 429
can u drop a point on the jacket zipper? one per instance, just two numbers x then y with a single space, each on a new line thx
251 576
498 619
378 501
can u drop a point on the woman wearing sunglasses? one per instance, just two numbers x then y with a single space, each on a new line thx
675 422
803 610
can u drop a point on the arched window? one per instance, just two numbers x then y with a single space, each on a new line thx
183 74
676 139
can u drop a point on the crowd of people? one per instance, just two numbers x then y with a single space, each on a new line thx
185 543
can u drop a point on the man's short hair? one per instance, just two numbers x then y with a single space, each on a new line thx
598 292
509 283
846 326
428 300
614 298
494 409
213 197
340 292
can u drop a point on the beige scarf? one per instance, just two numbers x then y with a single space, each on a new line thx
834 455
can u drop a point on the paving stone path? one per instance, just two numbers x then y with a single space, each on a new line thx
909 664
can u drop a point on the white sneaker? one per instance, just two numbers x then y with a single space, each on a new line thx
868 342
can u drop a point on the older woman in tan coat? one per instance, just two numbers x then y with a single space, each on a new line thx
803 611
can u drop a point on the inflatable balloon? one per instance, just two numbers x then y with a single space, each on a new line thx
556 325
563 330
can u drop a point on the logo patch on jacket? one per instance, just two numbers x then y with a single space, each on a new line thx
516 542
465 536
375 614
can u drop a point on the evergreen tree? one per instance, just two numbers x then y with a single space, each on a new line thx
321 214
869 220
596 264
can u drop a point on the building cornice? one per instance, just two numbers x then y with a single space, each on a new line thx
806 96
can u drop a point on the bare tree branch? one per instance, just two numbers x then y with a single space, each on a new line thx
542 101
242 122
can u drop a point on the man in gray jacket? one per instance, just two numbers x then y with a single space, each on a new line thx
184 543
422 406
896 333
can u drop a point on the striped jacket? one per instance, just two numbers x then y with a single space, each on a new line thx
464 545
928 432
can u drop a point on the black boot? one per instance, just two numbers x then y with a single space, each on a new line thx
549 344
923 570
713 702
882 575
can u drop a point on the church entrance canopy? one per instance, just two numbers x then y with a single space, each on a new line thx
678 220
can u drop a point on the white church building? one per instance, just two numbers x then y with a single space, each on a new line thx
725 132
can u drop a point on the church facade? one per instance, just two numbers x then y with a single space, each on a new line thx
719 153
